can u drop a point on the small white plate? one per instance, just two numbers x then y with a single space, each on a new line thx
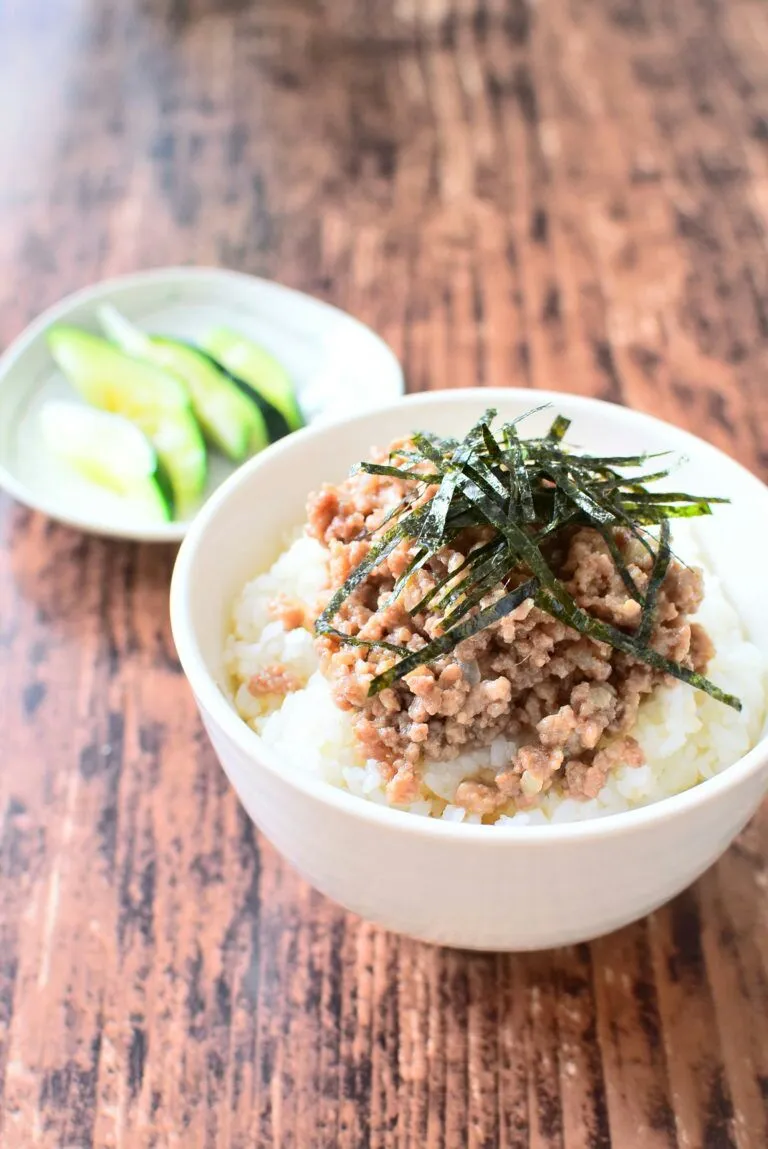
338 365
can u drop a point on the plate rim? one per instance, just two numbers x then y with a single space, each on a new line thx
172 532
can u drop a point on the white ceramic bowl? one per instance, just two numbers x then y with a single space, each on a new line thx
480 887
322 348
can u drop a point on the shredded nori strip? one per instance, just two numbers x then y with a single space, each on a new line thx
453 637
658 573
378 552
422 556
558 429
396 472
618 562
356 640
474 557
521 492
520 483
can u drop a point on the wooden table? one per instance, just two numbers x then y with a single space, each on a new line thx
563 194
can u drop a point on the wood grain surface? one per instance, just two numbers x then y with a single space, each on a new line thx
564 194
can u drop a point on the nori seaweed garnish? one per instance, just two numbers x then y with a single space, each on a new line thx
521 492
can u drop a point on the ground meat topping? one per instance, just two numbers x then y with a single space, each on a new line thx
275 679
291 613
566 701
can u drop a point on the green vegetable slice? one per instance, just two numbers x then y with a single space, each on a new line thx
110 451
231 421
150 397
257 369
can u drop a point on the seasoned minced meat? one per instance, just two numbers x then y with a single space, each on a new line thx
274 679
568 701
289 612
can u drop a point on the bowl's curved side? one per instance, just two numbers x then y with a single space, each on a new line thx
521 894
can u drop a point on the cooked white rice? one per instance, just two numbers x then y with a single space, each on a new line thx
686 735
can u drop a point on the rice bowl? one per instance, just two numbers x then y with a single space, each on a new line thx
445 882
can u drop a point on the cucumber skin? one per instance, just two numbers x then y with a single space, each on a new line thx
223 344
164 484
274 421
250 432
185 494
156 498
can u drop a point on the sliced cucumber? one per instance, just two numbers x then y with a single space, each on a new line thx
181 448
111 451
153 399
110 379
231 420
257 369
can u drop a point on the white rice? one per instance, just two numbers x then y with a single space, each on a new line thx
686 735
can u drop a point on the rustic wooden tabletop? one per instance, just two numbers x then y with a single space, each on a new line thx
563 194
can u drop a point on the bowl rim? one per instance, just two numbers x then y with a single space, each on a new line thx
214 703
167 532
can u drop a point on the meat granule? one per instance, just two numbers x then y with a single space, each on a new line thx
288 611
567 701
274 679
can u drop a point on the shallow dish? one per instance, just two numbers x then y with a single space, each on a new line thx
482 887
338 365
